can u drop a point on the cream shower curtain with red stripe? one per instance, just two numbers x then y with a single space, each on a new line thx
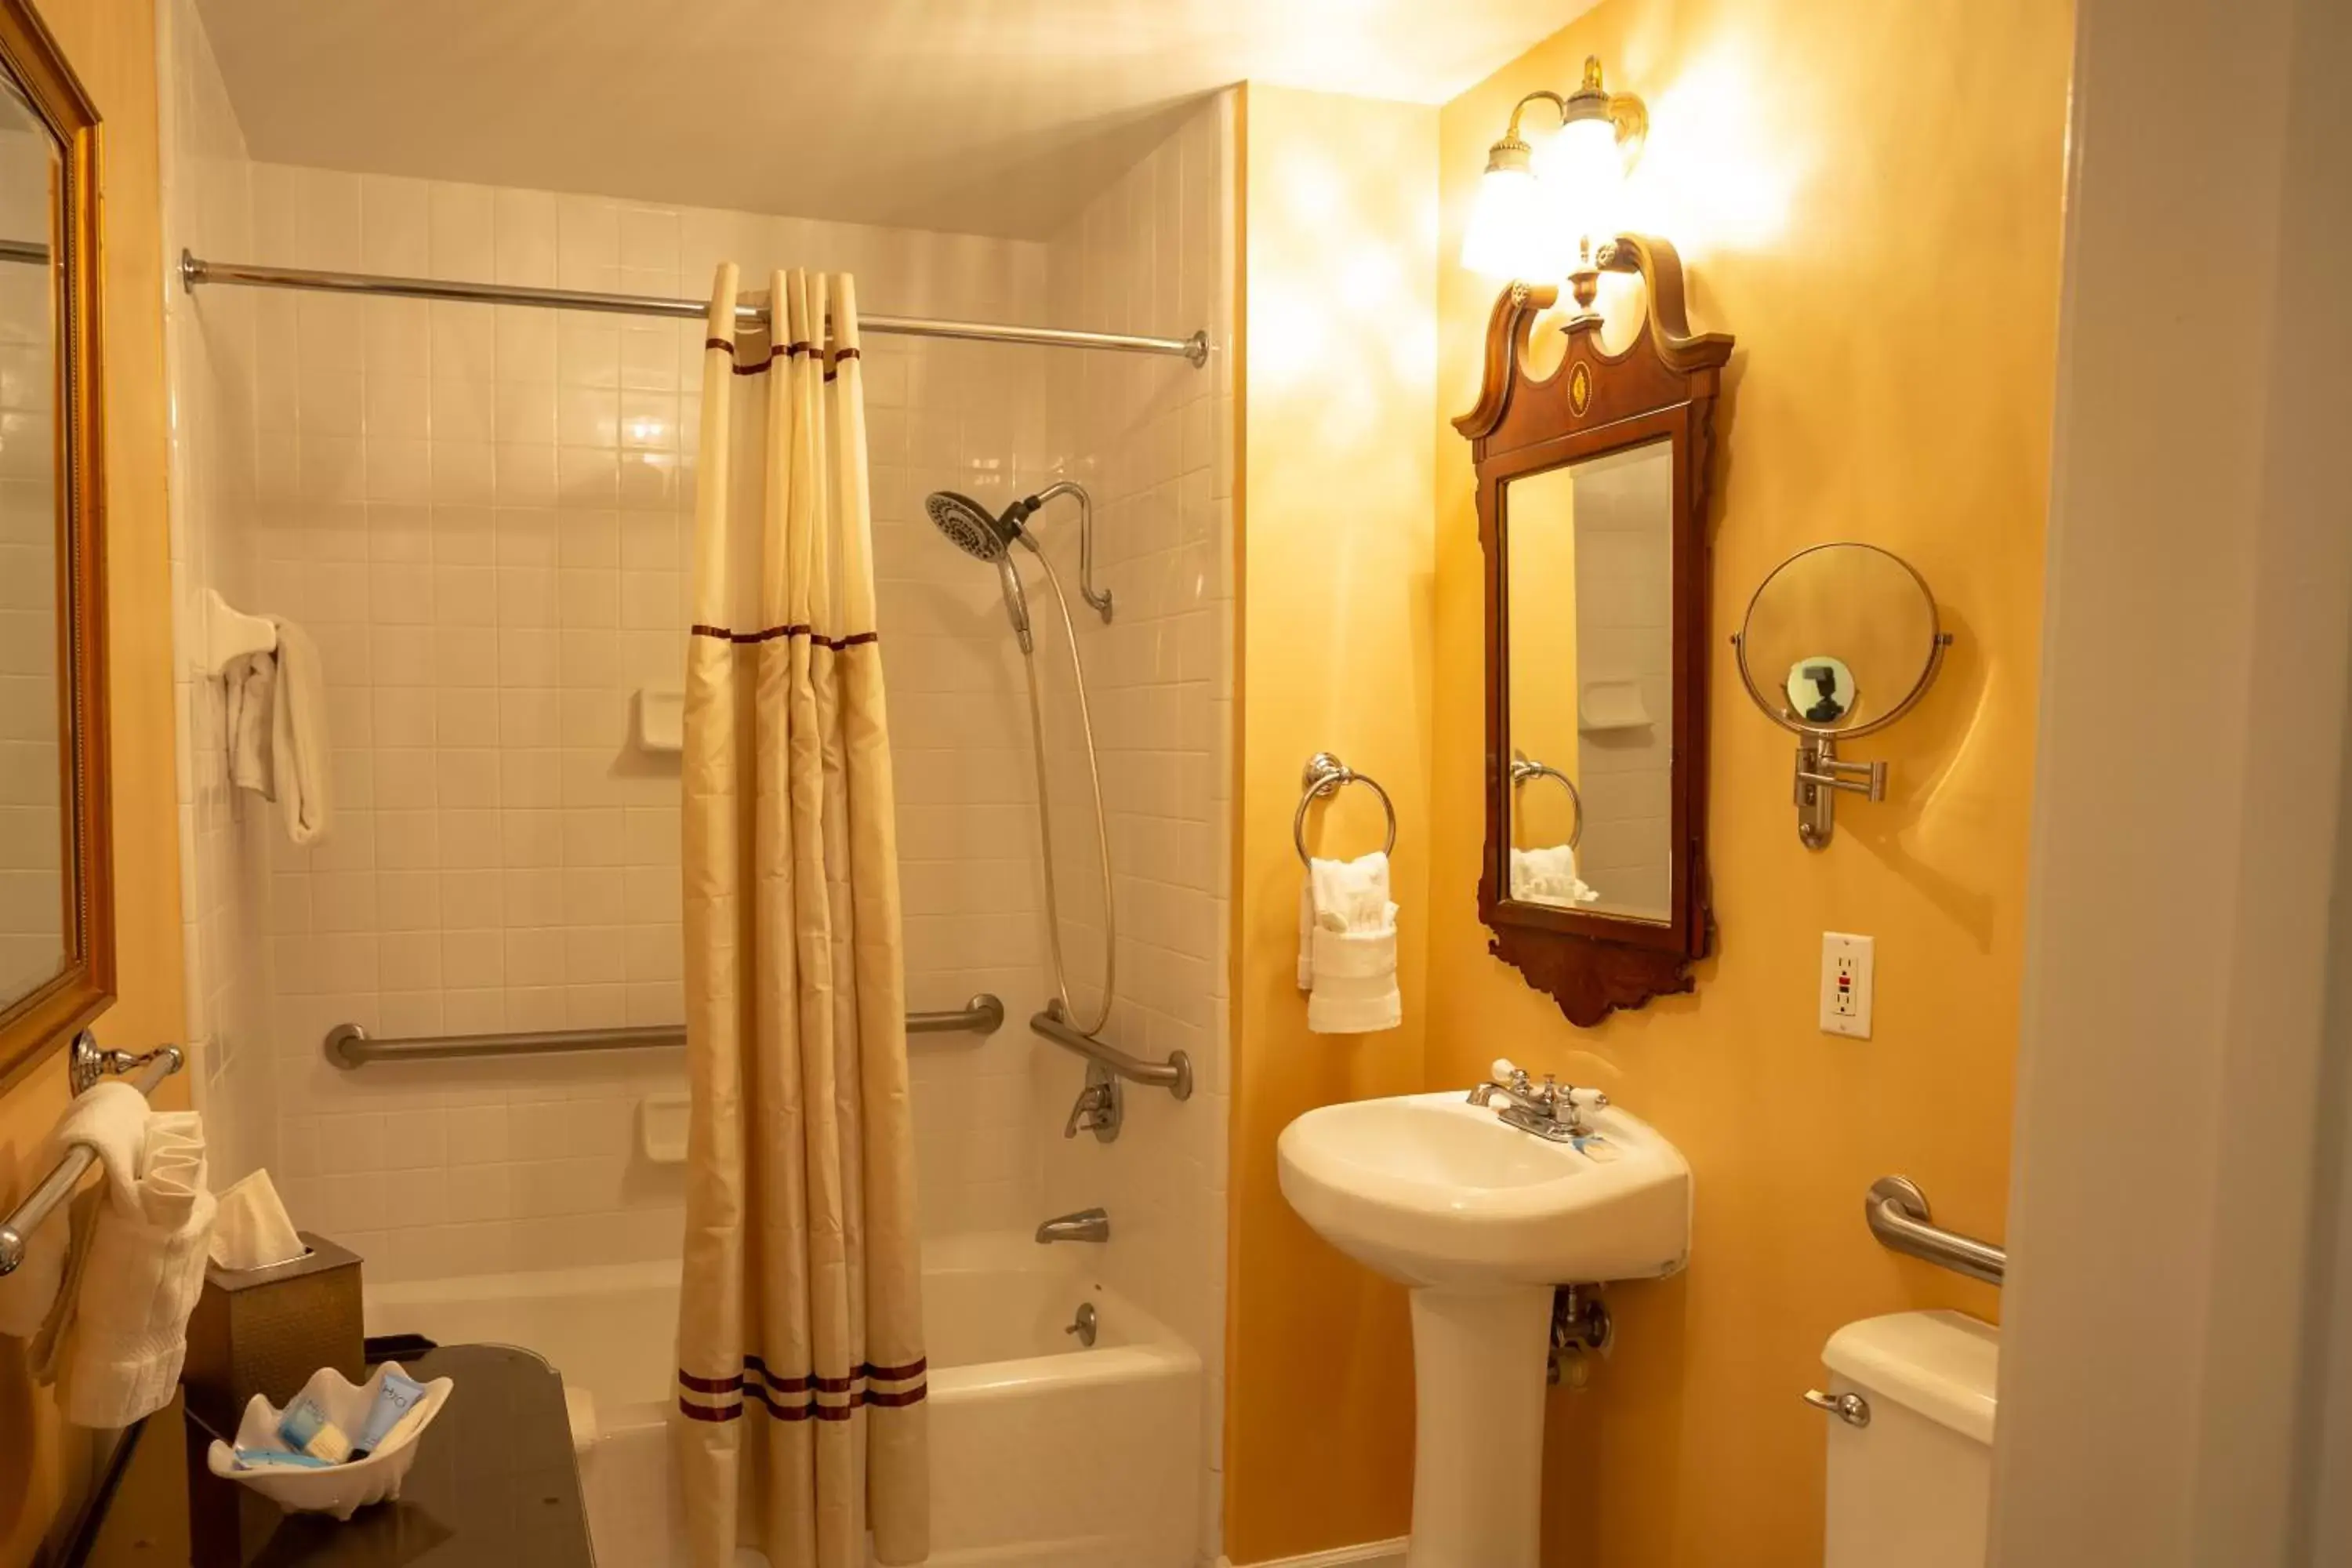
801 1422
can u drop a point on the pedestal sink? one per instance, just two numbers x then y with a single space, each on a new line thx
1482 1220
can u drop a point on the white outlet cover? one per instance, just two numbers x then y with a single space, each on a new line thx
1846 965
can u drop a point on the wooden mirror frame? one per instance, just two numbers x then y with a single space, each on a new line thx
1662 384
44 1019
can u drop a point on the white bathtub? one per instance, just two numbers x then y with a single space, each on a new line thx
1043 1454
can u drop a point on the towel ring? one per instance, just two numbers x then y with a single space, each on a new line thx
1524 768
1325 774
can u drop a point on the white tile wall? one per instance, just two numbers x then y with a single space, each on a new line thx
32 888
1152 440
209 347
1625 631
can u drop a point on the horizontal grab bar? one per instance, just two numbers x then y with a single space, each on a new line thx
1899 1217
348 1045
88 1066
1174 1075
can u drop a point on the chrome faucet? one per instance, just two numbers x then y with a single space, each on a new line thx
1550 1111
1086 1224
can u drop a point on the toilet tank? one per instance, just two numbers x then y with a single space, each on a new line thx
1911 1490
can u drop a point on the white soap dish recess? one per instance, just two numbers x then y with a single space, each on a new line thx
661 1128
1611 705
661 720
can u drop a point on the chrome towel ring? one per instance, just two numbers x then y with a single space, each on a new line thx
1524 768
1325 774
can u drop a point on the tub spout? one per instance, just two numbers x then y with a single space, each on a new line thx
1086 1224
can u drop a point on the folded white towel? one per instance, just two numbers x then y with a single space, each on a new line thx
252 1228
1347 952
111 1121
277 718
1547 876
140 1282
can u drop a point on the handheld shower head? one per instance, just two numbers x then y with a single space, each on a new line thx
970 529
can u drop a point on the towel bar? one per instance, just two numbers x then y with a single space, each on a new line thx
1523 767
1325 774
347 1046
89 1065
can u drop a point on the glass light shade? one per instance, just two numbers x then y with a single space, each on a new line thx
1583 172
1514 230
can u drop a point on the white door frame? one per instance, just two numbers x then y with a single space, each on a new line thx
2177 1355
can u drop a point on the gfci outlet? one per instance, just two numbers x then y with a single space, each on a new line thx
1845 984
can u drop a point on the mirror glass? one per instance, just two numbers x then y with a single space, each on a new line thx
1589 572
32 825
1841 635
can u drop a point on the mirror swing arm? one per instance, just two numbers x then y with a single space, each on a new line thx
1662 387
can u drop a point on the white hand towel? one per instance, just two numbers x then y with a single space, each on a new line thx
140 1282
252 1229
1547 876
1347 947
111 1120
277 730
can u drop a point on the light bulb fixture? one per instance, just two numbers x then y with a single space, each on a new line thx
1536 209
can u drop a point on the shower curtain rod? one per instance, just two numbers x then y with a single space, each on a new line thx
194 271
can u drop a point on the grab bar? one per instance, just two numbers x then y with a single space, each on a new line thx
1174 1075
89 1065
347 1046
1899 1217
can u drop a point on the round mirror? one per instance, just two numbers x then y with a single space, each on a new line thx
1841 639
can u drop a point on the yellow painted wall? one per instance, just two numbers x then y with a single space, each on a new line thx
1542 585
1868 197
1339 398
111 46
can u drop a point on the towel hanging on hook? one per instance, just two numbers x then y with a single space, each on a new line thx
229 635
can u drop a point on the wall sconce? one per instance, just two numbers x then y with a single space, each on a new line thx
1539 207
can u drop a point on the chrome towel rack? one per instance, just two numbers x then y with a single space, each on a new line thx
1898 1216
347 1046
1523 767
1325 774
89 1065
1174 1075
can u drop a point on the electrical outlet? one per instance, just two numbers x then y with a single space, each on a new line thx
1845 984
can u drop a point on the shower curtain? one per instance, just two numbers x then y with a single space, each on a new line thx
801 1420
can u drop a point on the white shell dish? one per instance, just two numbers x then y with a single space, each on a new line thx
339 1489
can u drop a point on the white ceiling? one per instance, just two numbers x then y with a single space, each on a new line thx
983 116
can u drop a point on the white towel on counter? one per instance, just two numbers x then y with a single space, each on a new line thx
110 1119
1347 954
139 1281
1548 876
277 719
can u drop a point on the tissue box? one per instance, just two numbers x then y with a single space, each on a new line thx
267 1330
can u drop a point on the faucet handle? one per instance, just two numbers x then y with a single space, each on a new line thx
1510 1074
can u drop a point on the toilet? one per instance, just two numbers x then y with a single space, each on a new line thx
1910 1488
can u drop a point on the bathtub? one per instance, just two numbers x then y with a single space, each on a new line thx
1045 1454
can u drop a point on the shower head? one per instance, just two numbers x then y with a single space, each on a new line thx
970 529
970 526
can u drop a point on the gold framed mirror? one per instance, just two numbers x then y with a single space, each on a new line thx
57 929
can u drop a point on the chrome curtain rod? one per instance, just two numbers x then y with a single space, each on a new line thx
194 271
348 1045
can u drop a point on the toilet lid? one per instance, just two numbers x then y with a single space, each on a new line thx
1944 1365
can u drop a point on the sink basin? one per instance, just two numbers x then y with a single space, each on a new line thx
1433 1191
1482 1219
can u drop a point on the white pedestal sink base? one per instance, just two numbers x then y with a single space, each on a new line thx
1478 1360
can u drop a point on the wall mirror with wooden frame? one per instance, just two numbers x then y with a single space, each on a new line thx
1592 493
56 935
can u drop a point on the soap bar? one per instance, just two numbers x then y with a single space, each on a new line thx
305 1426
